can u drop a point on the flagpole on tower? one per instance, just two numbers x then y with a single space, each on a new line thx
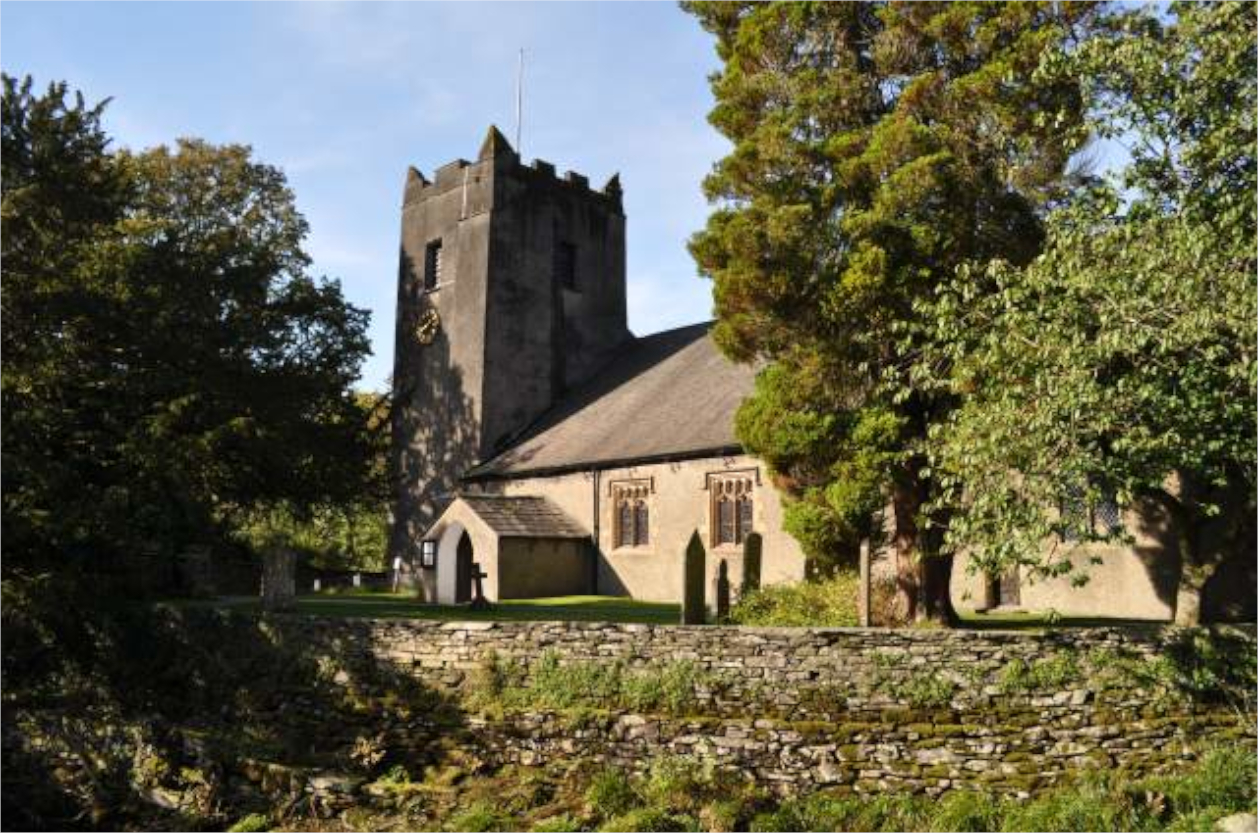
519 102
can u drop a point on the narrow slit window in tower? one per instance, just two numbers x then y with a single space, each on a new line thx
432 265
566 265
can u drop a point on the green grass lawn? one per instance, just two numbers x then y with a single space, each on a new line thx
378 605
1008 620
405 606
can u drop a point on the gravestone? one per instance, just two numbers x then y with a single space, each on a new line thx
865 598
279 578
693 609
479 602
196 574
722 592
751 563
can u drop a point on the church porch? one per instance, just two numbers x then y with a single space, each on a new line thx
520 547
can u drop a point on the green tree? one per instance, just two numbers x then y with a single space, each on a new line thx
169 363
351 533
61 190
1121 361
876 147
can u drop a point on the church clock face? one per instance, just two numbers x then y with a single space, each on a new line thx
429 324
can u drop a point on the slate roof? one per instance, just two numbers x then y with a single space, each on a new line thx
523 516
670 395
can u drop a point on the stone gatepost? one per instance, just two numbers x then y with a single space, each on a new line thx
279 578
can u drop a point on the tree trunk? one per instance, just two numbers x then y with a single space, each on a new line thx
937 589
905 503
1193 574
1187 603
1205 540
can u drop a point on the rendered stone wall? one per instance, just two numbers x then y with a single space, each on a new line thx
865 710
679 504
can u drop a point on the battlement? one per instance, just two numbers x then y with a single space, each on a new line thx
497 157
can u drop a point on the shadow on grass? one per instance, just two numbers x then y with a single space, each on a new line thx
121 715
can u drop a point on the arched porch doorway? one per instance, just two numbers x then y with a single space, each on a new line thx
463 570
455 555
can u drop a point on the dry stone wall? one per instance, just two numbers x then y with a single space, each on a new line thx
850 709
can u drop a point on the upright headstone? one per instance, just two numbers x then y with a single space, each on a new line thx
693 609
358 579
196 571
751 563
479 602
279 578
722 592
865 597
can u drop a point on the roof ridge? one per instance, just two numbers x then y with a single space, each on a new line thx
668 395
706 324
576 393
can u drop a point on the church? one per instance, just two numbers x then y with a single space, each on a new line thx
546 450
538 439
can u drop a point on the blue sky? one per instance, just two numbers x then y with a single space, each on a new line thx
344 97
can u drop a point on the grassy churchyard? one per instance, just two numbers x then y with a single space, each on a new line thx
372 604
376 605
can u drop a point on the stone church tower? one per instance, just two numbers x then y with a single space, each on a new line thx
511 290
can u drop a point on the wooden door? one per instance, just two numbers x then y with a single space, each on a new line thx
463 570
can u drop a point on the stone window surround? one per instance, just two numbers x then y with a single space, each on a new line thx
1101 517
635 489
750 478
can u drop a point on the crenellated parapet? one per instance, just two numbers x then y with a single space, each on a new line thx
497 157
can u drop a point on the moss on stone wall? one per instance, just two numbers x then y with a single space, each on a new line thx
163 718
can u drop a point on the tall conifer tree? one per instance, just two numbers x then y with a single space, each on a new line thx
876 148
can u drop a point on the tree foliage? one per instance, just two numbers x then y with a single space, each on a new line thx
349 533
877 147
169 363
1122 360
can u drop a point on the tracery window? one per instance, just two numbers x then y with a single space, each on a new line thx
633 515
732 508
1080 516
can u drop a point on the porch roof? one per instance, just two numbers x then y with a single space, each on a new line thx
523 516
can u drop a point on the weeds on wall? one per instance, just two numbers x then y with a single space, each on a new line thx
919 686
1052 674
549 684
681 793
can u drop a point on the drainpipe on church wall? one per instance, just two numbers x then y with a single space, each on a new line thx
594 477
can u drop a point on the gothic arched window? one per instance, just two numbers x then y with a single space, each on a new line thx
624 523
732 512
744 517
632 514
726 532
641 523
